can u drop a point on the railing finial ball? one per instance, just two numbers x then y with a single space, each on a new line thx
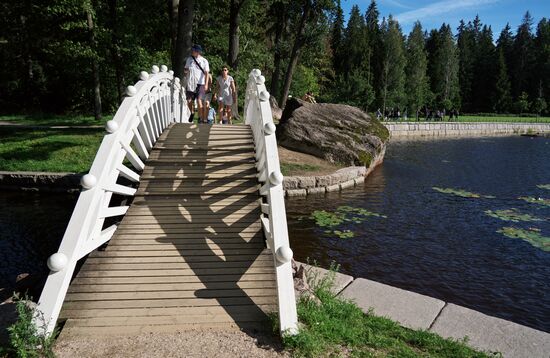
177 80
57 262
260 80
256 72
155 69
111 126
171 72
264 96
143 75
276 177
269 128
131 90
284 254
88 181
163 68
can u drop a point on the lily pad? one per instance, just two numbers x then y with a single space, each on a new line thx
544 186
511 215
461 193
540 201
325 218
345 234
531 235
357 212
343 214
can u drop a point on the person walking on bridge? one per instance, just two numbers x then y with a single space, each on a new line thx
196 71
226 93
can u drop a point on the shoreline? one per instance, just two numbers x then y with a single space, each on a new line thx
417 311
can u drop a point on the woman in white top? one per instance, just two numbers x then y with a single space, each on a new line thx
226 93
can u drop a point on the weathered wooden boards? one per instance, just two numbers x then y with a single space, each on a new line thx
190 251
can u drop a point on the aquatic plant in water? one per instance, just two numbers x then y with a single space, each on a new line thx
544 186
540 201
513 215
461 193
531 235
343 214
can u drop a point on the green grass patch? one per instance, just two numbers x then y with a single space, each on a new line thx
531 235
290 168
54 120
51 150
495 118
335 327
461 193
513 215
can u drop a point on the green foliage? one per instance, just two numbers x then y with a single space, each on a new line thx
417 86
335 326
304 80
513 215
539 201
531 235
522 104
461 193
25 340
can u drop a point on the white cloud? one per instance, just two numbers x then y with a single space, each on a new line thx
440 7
396 4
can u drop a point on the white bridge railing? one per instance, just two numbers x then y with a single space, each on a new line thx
150 106
258 115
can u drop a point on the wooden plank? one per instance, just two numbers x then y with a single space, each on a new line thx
207 262
247 236
170 287
184 246
212 227
250 292
177 279
165 311
227 270
175 302
265 259
183 252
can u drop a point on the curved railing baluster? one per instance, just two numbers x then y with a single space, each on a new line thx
149 108
258 115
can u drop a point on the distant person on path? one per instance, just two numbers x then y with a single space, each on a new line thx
208 98
378 114
226 94
196 71
308 97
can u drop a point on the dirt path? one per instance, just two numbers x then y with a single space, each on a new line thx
204 343
300 162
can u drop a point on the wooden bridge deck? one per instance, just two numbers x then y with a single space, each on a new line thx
190 251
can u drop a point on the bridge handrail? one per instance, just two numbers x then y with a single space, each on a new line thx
258 115
150 106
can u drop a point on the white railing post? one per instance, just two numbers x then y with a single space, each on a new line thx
259 117
140 120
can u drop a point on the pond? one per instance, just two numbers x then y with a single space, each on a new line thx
433 241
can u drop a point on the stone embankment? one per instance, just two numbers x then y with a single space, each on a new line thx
40 181
418 311
402 130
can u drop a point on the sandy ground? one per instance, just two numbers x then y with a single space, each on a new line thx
289 156
204 343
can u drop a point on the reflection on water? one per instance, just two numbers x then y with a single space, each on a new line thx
438 244
31 228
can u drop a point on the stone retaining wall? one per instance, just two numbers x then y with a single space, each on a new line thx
433 129
339 180
40 181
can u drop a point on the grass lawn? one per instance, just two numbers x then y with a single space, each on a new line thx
54 120
339 328
63 150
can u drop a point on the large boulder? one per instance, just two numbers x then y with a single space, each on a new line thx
335 132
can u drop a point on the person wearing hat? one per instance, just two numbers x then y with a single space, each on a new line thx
196 71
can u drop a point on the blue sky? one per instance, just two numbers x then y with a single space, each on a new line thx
432 13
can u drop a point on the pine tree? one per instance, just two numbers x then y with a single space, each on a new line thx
466 41
356 50
542 47
483 87
337 38
523 58
416 85
502 102
445 69
374 43
393 64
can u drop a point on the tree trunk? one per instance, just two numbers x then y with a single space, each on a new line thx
185 35
277 57
173 16
234 19
295 54
95 66
115 48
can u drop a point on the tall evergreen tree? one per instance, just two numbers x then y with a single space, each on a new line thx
502 101
523 58
466 41
483 87
393 64
542 46
416 85
374 43
445 69
337 38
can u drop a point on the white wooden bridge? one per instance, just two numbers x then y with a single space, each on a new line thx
203 239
